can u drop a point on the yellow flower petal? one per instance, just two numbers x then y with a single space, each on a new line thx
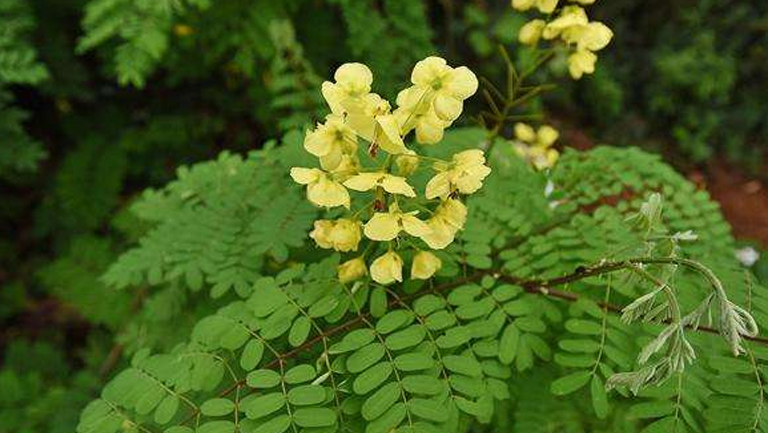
328 193
389 135
427 70
524 132
424 265
438 186
397 185
305 176
440 235
345 235
414 226
383 226
454 212
354 76
363 181
547 136
321 233
387 268
447 107
581 62
523 5
352 270
531 32
461 83
546 6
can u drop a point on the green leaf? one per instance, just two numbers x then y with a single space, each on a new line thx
414 361
463 364
387 422
365 357
380 401
372 378
393 321
428 409
300 374
571 383
406 338
263 405
278 424
584 327
508 344
307 395
579 346
267 297
422 384
252 354
299 331
263 379
599 397
217 407
323 307
378 302
353 341
314 417
167 409
217 427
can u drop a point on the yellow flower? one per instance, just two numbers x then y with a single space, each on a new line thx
342 235
569 17
407 164
391 184
534 146
445 86
531 32
465 175
539 157
581 62
321 233
352 270
544 6
593 36
370 118
322 190
330 141
353 80
424 265
524 132
449 217
385 226
387 268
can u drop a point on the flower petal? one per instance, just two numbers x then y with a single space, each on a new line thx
363 181
305 176
382 227
397 185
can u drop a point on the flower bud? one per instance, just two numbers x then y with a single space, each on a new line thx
424 265
345 235
531 32
387 269
352 270
321 233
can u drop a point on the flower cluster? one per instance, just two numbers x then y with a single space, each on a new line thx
371 183
535 146
571 26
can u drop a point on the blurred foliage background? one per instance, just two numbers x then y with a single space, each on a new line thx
100 99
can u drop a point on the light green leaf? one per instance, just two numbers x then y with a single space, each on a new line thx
571 383
307 395
252 354
314 417
428 409
300 374
299 331
365 357
414 361
463 364
372 378
380 401
263 378
217 407
599 397
508 344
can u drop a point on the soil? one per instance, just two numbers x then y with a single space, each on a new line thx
744 201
